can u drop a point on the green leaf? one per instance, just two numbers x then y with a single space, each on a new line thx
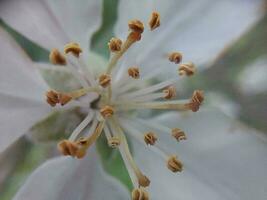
112 162
56 126
100 38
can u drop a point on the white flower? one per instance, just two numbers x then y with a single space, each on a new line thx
114 89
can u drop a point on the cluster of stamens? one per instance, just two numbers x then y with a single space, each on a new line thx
109 113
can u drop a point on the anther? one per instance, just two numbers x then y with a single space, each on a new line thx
134 72
114 44
178 134
139 194
107 111
196 100
114 142
134 36
170 92
154 21
64 98
73 48
174 164
52 98
187 69
175 57
57 58
150 138
104 80
143 181
136 26
67 148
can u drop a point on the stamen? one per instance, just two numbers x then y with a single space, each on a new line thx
107 111
104 80
178 134
52 98
134 72
150 138
64 98
174 164
170 92
68 148
57 58
136 26
114 44
175 57
187 69
73 48
154 21
114 142
196 100
140 194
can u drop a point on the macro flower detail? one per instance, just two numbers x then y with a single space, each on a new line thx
116 98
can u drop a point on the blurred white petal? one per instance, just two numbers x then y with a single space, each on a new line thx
200 37
52 23
21 92
222 160
66 178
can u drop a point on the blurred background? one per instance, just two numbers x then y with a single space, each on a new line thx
235 82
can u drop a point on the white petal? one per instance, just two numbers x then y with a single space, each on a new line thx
185 28
21 92
80 19
222 160
67 179
35 20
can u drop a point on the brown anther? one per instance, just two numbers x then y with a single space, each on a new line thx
154 21
174 164
178 134
114 142
57 58
104 80
170 92
134 72
140 194
196 100
150 138
52 98
187 69
67 148
73 48
134 36
175 57
136 26
114 44
143 181
107 111
64 98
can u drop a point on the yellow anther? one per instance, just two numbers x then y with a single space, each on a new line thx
150 138
175 57
114 142
52 98
136 26
104 80
115 44
68 148
170 92
187 69
196 100
178 134
154 21
73 48
174 164
140 194
134 72
56 57
107 111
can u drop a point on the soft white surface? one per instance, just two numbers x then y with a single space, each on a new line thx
21 92
65 178
222 160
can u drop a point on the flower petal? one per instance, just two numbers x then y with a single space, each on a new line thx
67 178
21 92
222 160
